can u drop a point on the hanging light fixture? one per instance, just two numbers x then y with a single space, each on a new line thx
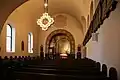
45 20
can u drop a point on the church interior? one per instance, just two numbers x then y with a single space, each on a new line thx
60 39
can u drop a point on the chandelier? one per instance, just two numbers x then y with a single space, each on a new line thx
45 20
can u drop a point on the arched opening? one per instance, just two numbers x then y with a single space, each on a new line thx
30 42
91 11
87 21
84 24
60 41
10 38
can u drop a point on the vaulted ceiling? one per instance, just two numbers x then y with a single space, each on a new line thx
7 7
79 9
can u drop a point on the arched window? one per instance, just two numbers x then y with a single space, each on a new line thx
30 43
10 39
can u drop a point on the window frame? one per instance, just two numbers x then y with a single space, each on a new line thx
10 49
30 42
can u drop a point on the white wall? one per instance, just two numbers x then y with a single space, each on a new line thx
107 49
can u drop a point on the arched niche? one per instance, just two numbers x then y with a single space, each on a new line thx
68 35
22 45
84 23
91 11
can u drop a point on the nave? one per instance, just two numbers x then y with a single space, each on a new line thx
37 68
91 25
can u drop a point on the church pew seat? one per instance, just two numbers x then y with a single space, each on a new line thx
43 76
73 67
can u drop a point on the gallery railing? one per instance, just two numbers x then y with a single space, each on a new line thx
103 10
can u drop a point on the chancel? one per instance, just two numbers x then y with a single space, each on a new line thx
59 39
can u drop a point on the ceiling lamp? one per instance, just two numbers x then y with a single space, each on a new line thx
45 20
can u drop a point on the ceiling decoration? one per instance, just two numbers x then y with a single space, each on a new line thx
35 7
60 21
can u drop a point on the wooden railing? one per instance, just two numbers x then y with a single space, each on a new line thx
102 12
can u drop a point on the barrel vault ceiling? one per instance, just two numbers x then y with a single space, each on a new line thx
79 9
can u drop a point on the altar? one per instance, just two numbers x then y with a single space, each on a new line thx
63 56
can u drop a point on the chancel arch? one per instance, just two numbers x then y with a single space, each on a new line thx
59 38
